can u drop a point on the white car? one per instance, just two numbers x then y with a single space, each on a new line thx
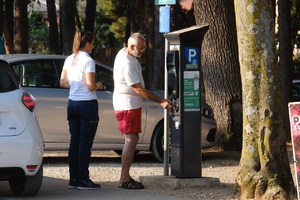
40 74
21 141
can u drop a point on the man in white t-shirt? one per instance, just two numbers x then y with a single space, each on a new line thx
127 101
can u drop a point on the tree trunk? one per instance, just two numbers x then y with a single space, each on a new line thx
150 68
159 52
131 20
285 58
265 172
8 44
132 16
67 25
90 13
53 27
77 20
220 66
21 27
9 17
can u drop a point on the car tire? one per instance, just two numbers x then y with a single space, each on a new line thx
158 142
27 185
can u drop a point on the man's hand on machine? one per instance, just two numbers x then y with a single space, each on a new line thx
166 104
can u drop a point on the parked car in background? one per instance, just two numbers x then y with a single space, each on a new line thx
296 90
21 141
40 74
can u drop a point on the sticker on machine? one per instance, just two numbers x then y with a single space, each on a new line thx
191 90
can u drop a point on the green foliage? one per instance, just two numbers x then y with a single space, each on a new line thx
38 33
295 16
114 13
110 25
111 21
296 65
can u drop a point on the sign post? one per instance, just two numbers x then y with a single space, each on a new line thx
164 27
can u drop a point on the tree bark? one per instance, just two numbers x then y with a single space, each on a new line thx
159 52
220 66
77 20
9 18
21 27
53 27
8 44
285 58
264 167
90 13
67 25
150 68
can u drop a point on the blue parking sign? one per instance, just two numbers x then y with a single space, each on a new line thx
192 57
164 19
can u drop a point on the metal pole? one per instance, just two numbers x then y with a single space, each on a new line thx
166 118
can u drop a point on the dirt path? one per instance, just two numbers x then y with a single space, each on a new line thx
105 169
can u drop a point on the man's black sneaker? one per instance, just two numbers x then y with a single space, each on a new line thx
87 185
73 184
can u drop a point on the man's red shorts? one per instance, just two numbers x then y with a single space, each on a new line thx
130 121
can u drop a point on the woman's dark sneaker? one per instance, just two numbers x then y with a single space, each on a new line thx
73 184
87 185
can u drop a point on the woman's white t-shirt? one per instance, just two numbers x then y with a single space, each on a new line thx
127 72
76 74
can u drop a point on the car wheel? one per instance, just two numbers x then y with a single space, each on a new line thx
157 145
27 185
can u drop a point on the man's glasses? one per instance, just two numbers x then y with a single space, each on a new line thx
141 48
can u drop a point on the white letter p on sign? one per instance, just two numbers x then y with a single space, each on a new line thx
192 53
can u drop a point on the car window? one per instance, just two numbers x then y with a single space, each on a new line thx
59 63
296 91
37 73
7 82
105 76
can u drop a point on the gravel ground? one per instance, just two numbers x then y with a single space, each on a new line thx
105 169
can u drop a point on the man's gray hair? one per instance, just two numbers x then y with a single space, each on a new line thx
134 39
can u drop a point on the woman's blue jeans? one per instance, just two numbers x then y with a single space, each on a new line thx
83 122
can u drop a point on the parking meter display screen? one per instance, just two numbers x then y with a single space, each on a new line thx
171 58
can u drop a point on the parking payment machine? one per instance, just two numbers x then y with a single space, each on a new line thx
184 89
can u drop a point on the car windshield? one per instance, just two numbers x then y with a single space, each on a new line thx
7 82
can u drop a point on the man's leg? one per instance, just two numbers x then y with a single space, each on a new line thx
131 140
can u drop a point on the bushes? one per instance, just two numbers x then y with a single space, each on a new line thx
296 65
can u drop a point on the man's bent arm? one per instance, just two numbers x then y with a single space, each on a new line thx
139 89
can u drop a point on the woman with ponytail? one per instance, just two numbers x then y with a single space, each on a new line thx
82 113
